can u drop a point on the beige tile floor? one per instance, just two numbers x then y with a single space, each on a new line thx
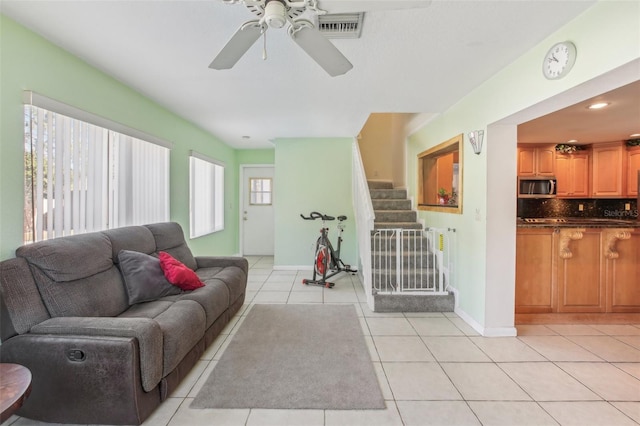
434 369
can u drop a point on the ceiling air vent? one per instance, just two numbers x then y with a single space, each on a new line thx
341 25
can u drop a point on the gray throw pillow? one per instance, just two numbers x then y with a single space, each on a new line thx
143 277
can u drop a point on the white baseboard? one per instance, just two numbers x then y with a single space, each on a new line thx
486 332
500 332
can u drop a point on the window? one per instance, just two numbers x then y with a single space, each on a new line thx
260 191
82 177
206 195
440 177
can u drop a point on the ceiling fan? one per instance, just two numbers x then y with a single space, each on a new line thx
299 14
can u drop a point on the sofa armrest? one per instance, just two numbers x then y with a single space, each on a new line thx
82 379
145 330
222 262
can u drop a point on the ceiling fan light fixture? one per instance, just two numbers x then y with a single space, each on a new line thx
275 14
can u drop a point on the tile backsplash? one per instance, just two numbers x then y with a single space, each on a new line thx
596 208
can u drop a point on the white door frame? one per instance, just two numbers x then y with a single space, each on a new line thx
241 193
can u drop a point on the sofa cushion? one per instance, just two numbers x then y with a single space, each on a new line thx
94 296
20 304
134 238
147 309
213 297
70 258
234 278
178 273
76 276
182 325
208 273
144 279
170 238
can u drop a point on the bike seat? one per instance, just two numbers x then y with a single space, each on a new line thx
341 218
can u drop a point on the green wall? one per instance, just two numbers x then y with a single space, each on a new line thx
256 156
312 175
29 62
486 229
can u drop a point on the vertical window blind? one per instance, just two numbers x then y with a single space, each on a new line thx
82 177
206 195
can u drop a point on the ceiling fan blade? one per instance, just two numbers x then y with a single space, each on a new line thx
352 6
321 50
237 46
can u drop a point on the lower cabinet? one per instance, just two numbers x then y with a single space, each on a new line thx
622 269
535 266
581 284
578 270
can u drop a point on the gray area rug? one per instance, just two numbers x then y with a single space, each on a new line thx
295 356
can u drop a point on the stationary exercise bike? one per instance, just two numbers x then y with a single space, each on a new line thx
327 262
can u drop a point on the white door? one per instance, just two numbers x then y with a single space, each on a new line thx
257 217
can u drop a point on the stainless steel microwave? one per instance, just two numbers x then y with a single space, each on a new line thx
531 187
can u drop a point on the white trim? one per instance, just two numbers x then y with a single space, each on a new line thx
32 98
206 158
469 320
241 194
486 332
500 332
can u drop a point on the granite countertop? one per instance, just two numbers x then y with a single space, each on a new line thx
577 222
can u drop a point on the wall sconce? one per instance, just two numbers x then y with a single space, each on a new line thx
475 138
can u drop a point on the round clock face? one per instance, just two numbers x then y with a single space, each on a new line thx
559 60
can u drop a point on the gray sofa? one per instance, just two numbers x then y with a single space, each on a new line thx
95 357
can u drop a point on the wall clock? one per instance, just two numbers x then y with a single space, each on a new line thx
559 60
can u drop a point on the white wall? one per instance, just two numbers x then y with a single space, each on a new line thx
607 37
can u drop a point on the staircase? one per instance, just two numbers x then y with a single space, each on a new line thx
392 207
392 210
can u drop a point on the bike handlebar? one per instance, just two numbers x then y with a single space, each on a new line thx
317 215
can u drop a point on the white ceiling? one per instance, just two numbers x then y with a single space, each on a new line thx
617 122
419 60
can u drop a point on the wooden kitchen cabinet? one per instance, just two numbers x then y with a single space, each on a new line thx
608 162
572 174
535 267
622 257
633 167
537 160
581 279
577 270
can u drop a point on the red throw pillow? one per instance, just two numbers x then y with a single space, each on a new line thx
177 273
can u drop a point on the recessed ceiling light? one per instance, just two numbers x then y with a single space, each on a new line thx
572 141
598 105
635 135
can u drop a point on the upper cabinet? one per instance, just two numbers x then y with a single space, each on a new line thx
608 165
599 170
633 168
538 160
572 173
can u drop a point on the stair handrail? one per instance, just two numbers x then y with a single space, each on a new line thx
363 209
